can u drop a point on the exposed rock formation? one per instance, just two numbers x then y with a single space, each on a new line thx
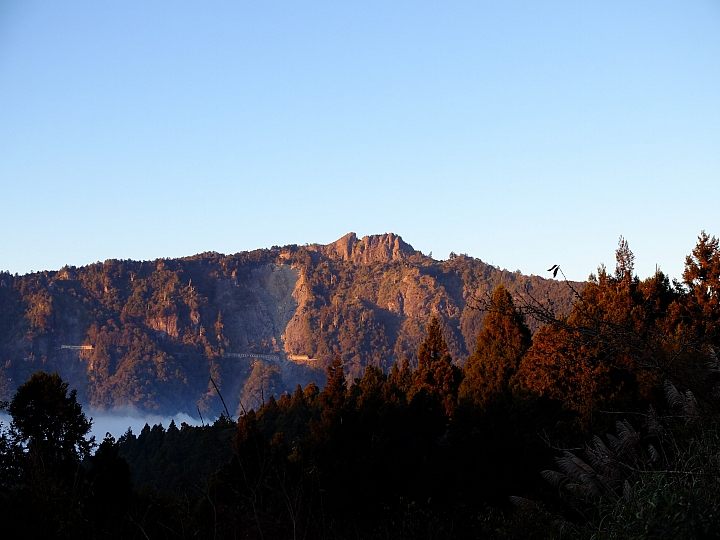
161 330
383 248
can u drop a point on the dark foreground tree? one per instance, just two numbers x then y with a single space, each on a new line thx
50 422
109 490
43 449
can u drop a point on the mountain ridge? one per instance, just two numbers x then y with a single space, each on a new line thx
164 332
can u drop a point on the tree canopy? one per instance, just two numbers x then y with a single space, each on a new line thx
49 420
500 346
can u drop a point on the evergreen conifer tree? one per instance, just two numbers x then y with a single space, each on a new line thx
51 425
702 278
501 344
332 397
436 374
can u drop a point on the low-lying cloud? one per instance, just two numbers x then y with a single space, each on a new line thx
117 422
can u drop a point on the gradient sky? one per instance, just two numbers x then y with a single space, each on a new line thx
522 133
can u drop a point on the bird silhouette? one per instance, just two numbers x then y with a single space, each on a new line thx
554 269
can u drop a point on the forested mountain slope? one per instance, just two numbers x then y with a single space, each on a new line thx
160 335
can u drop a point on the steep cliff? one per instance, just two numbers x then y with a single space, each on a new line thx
161 335
382 248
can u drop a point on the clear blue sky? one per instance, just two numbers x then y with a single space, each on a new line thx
522 133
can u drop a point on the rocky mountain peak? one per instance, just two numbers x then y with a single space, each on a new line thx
387 247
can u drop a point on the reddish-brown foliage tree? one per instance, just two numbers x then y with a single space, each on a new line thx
606 347
436 374
500 346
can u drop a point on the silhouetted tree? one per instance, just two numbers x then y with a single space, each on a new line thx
44 447
110 490
51 426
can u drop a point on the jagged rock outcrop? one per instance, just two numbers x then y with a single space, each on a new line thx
371 249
